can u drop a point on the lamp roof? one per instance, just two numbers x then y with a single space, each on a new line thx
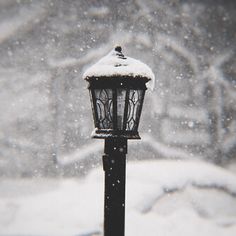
115 64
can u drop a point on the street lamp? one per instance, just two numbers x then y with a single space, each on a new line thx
117 86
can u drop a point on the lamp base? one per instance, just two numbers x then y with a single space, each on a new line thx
107 133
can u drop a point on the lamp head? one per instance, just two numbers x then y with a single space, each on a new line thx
117 86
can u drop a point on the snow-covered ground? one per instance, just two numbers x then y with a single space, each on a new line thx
163 198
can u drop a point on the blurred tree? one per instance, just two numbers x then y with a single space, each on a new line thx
45 47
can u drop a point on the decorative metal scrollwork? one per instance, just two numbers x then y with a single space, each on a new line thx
104 105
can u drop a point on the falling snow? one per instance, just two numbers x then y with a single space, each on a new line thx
51 170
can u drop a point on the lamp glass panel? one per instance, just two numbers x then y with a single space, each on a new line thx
121 94
104 108
135 100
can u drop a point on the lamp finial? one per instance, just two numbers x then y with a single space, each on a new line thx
118 49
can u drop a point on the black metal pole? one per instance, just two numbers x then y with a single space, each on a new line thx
114 165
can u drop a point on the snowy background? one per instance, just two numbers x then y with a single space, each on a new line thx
171 198
50 168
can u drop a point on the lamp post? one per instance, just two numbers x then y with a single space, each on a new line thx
117 86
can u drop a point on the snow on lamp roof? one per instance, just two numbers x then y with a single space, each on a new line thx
116 64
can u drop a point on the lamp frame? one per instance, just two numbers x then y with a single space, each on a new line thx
116 82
